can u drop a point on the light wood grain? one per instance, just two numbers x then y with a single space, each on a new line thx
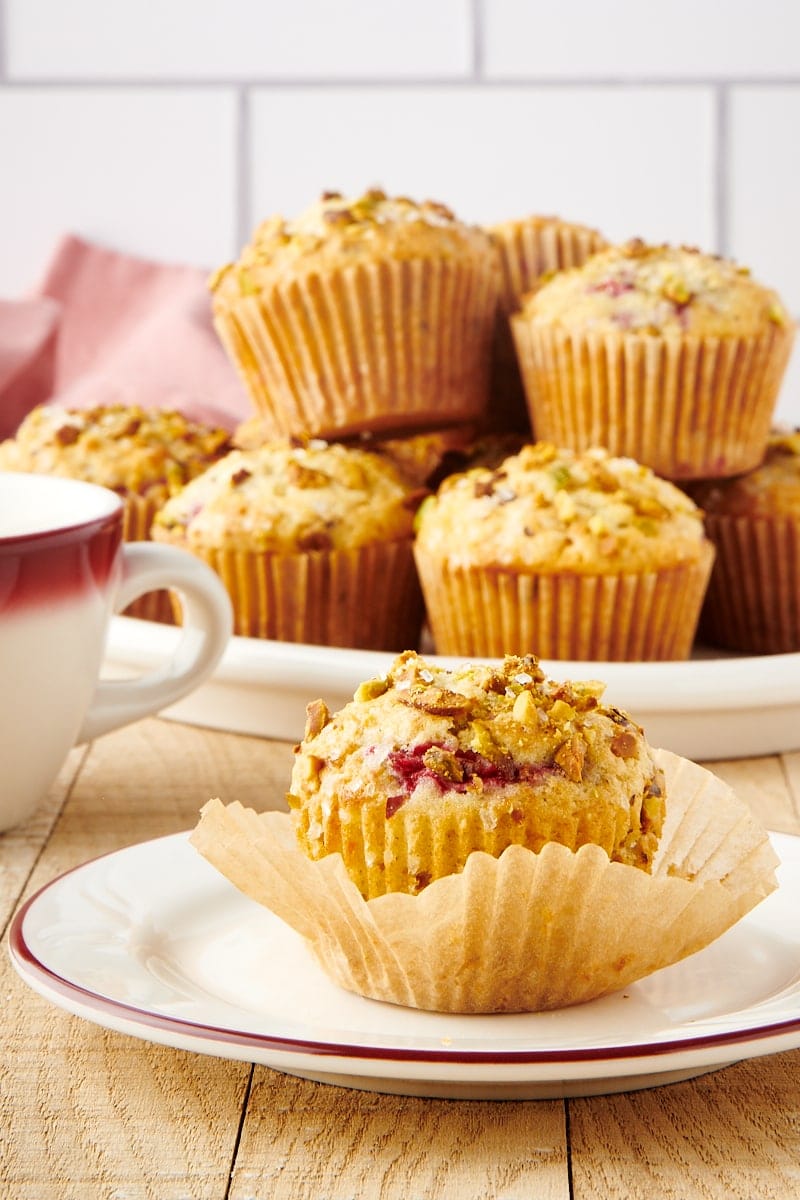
763 784
730 1135
90 1113
310 1140
21 847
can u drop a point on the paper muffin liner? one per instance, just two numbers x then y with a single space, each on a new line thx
489 611
380 346
366 598
753 599
406 853
688 407
137 517
520 933
527 250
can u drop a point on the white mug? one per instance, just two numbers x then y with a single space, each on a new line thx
64 569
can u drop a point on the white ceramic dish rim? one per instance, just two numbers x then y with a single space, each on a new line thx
711 679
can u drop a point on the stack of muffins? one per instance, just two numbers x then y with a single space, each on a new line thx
399 359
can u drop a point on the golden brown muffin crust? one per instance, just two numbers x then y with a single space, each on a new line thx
641 289
772 489
340 231
143 452
551 510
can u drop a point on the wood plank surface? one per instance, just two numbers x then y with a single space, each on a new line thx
90 1113
310 1140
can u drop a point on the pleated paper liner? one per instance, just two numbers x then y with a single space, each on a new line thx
689 408
406 852
384 346
753 600
485 612
519 933
527 250
137 517
367 598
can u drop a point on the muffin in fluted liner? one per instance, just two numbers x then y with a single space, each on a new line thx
365 313
312 542
145 455
669 356
529 249
584 557
753 600
540 918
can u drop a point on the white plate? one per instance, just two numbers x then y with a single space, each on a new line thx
706 708
152 941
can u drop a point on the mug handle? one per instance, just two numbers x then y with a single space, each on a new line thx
207 625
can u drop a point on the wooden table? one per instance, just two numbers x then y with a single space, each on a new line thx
90 1114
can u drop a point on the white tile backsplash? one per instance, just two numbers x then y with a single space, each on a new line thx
604 157
764 185
168 129
628 39
238 39
147 171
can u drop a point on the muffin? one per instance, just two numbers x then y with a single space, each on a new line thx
753 599
364 313
564 555
426 765
422 458
528 250
664 354
542 853
313 543
144 455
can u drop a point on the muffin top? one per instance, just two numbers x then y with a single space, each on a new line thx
550 510
502 738
533 246
772 489
341 231
288 498
132 450
641 289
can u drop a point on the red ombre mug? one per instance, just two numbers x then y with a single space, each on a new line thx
64 570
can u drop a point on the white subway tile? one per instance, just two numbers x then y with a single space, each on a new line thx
237 39
685 39
151 172
629 161
762 185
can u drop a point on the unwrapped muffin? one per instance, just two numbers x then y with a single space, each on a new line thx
145 455
364 313
529 819
665 354
564 555
529 249
313 543
753 599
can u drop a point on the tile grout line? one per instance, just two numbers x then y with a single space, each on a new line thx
720 165
478 31
242 168
584 83
3 41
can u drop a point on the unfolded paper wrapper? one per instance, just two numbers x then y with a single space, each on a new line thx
523 932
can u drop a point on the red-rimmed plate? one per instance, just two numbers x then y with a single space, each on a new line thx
151 941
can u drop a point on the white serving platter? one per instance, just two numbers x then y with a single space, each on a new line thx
710 707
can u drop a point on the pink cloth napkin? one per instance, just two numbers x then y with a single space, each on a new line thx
106 328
